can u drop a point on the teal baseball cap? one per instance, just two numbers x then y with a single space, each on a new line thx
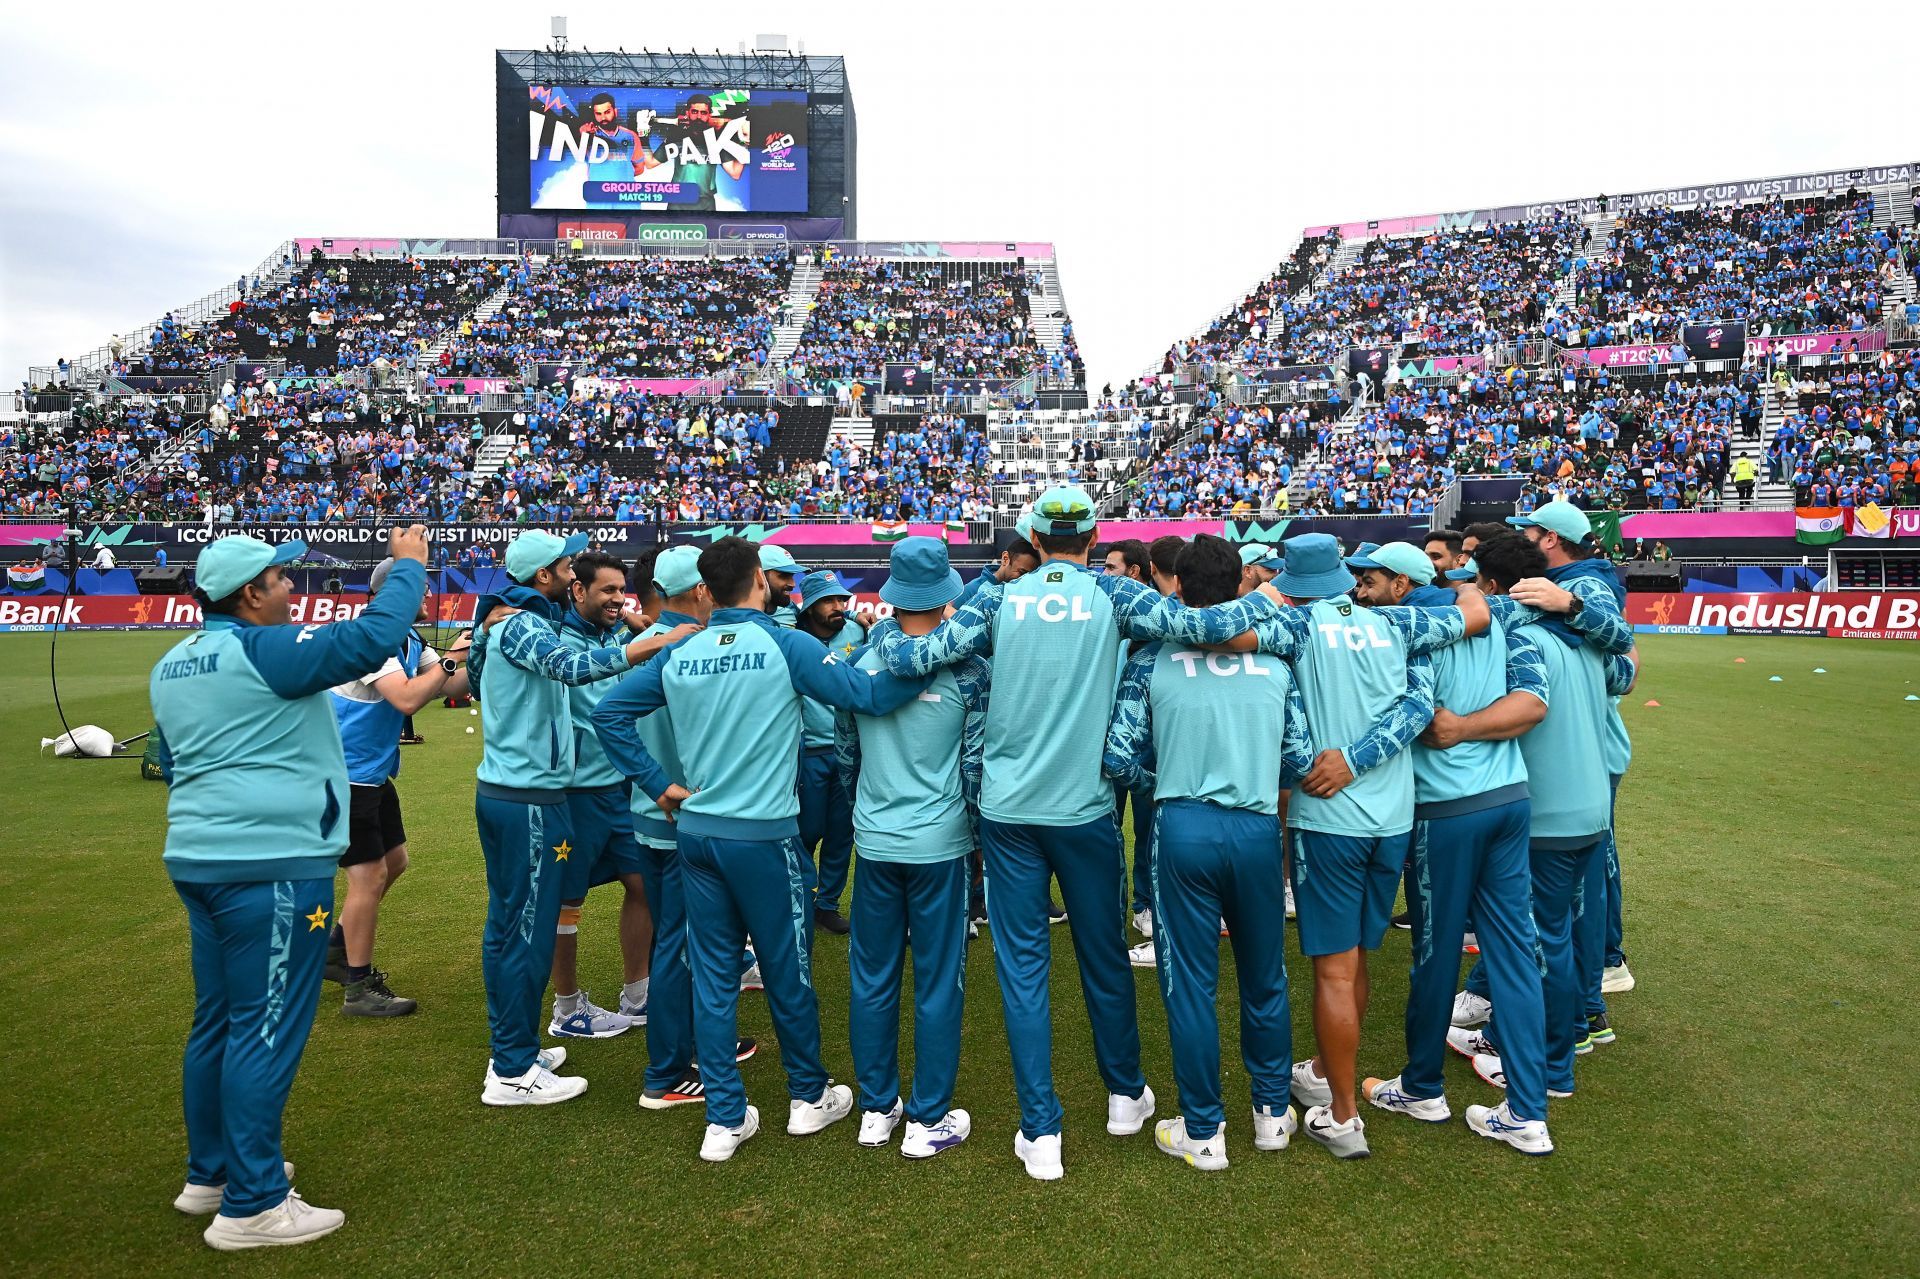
1024 526
1561 517
821 585
1063 512
676 570
535 549
1467 574
1313 569
230 562
777 559
1396 557
919 576
1260 555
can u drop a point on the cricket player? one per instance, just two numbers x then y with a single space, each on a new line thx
1217 855
1046 808
526 825
733 693
372 712
905 773
1471 815
256 823
826 811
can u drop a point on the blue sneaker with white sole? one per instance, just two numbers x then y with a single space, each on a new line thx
587 1021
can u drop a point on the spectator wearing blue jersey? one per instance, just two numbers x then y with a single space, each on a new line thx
372 712
1046 808
910 773
734 695
826 808
1217 855
258 788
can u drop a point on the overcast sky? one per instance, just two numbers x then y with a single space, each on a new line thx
151 153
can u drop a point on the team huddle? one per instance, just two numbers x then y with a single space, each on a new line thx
1299 733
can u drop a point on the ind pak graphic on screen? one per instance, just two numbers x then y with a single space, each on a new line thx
667 150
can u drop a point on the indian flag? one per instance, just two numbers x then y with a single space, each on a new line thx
26 577
889 530
1817 525
1872 521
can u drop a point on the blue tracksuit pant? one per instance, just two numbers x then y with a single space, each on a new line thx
826 827
1590 935
670 982
1559 876
892 903
736 889
1616 934
1477 861
527 848
1143 829
1086 859
1212 863
257 954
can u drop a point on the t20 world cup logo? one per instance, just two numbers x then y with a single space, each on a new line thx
777 151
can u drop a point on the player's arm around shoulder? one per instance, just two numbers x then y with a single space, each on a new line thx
1128 755
968 633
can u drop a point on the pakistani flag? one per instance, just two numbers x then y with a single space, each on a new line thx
27 578
889 530
1817 525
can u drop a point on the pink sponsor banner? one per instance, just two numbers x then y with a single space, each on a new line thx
856 535
1679 524
1148 530
30 534
1615 356
1385 226
1818 343
996 249
335 248
652 385
467 385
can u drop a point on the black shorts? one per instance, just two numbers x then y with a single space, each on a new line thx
374 828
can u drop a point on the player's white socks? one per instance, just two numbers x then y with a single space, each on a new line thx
634 993
567 1005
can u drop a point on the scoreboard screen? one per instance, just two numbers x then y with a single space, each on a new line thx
660 150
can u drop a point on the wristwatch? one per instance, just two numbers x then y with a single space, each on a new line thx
450 666
1573 609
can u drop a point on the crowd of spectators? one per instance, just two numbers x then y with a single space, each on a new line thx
1854 436
1230 461
963 320
650 317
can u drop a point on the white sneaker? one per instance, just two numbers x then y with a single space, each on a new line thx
1291 912
923 1141
1617 980
1489 1068
750 978
1170 1135
1143 922
587 1021
1128 1115
1142 956
719 1144
1271 1131
833 1105
198 1201
1528 1136
634 1013
1346 1141
1310 1088
1470 1009
1041 1156
538 1087
1389 1095
292 1220
876 1126
1470 1043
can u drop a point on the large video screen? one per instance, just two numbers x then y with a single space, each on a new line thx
667 150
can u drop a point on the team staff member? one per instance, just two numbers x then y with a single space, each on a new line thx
255 828
371 712
734 692
1368 693
1217 855
1567 777
603 845
1046 809
905 773
1471 814
526 828
826 810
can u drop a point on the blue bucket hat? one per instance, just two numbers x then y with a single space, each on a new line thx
821 584
230 562
919 578
534 549
1395 557
1313 569
676 571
